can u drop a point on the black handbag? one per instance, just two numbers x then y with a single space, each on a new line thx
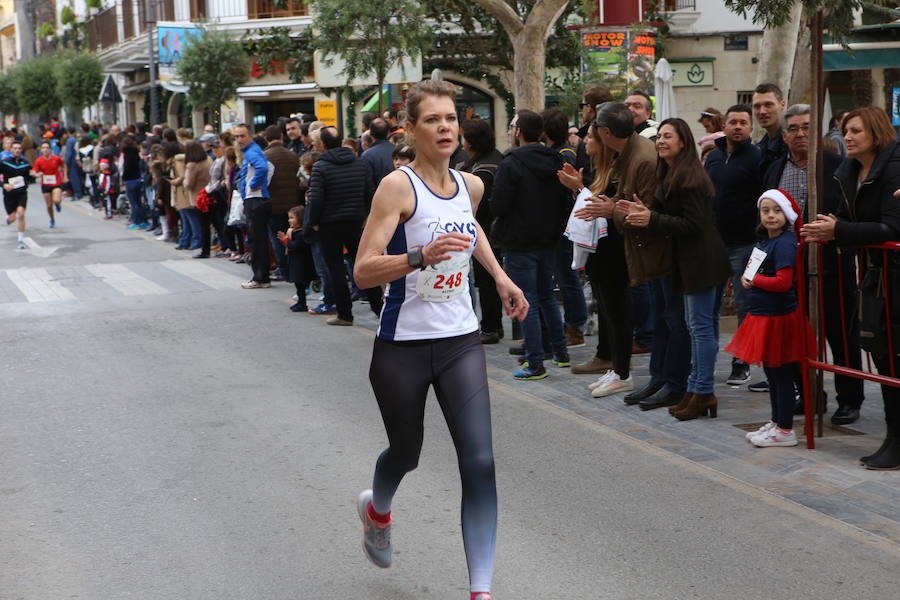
873 318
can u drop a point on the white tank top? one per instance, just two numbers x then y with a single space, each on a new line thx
406 315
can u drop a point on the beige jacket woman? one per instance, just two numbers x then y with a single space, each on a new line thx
179 195
196 177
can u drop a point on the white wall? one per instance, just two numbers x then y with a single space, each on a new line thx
734 72
714 17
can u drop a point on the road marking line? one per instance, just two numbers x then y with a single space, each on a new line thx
38 250
125 280
209 276
37 285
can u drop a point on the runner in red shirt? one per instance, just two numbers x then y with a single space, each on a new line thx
48 168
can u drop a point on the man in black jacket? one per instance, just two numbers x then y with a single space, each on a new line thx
789 173
337 202
378 155
734 167
556 134
484 160
529 204
768 107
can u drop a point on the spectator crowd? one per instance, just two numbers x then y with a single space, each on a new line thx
618 223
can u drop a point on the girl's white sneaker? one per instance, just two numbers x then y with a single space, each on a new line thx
765 428
775 437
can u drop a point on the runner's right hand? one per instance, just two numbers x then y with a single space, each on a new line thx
439 249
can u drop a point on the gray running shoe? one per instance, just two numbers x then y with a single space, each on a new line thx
21 245
376 537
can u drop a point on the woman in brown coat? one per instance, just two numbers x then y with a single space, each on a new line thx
182 201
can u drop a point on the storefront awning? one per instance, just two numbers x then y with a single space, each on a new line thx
865 55
253 91
871 47
372 104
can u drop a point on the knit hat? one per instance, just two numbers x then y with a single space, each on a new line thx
783 199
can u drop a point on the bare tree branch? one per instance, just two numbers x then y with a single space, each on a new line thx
511 21
544 15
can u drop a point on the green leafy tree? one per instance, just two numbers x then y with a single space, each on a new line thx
483 40
8 104
67 15
838 14
275 48
35 83
213 66
370 36
79 78
45 30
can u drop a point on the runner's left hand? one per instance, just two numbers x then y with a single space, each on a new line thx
513 299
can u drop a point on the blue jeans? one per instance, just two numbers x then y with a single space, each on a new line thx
133 191
322 272
76 177
644 313
533 272
670 358
190 228
569 284
739 256
279 223
699 312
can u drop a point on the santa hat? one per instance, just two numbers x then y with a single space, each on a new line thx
104 161
785 201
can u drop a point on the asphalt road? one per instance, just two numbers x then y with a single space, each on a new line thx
167 435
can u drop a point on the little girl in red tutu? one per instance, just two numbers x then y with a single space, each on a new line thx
775 333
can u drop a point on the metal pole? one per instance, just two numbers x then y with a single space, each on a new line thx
154 100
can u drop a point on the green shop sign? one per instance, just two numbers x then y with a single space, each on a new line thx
693 72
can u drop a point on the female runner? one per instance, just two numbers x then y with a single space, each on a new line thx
419 238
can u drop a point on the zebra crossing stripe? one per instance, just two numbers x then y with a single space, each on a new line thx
209 276
37 285
124 280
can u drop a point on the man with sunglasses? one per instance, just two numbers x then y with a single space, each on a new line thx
593 97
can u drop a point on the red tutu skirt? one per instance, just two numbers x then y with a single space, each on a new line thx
773 341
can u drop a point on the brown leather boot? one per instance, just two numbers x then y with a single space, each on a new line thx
593 366
574 337
699 405
681 405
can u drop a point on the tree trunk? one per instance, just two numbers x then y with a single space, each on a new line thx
529 40
529 67
776 57
380 96
801 81
814 185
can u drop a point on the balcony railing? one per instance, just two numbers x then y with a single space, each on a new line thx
268 9
103 31
673 5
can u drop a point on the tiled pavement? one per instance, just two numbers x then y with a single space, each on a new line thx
828 480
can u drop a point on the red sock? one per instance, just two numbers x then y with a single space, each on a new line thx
381 519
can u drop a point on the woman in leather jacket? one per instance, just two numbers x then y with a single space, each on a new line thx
870 214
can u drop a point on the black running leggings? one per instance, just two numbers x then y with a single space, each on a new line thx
401 374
